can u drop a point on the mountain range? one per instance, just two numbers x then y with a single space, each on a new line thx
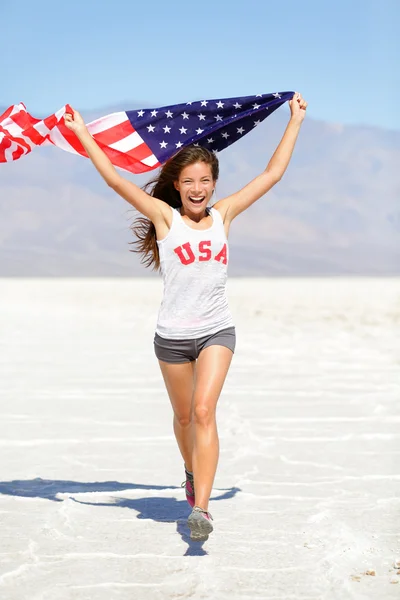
336 211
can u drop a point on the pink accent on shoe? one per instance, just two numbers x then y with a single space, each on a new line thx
204 513
189 488
189 493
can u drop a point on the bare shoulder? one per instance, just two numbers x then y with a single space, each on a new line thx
222 207
163 219
165 211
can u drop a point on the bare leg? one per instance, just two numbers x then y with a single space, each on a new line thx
212 367
180 380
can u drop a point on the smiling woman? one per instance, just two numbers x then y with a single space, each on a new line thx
187 241
195 184
186 182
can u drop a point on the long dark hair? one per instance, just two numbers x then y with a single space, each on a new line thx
162 187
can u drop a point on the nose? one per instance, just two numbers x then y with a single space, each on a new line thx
196 188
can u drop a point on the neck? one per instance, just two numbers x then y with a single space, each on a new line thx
194 217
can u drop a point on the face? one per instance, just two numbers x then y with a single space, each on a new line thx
195 185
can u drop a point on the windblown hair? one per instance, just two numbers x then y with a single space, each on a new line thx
162 187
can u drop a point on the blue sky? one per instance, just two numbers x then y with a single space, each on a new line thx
342 56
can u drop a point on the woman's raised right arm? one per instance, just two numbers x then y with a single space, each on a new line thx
147 205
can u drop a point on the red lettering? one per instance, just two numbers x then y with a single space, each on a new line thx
186 254
204 248
190 256
222 256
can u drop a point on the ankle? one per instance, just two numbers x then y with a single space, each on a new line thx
203 511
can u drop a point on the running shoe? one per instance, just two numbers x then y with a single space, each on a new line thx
200 525
188 484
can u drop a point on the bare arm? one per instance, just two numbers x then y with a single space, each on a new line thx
147 205
233 205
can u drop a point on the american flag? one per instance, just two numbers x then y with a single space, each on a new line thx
143 139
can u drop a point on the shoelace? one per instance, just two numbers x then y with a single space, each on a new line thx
189 477
183 484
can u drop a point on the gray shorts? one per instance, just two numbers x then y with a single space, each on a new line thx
182 351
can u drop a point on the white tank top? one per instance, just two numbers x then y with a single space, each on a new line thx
194 266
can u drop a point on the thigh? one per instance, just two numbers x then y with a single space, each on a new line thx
211 371
179 380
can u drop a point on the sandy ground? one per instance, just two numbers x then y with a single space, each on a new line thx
307 493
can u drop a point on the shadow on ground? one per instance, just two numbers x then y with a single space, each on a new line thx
157 508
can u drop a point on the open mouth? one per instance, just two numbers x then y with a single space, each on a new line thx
197 200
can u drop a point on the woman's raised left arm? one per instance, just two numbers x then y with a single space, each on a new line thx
233 205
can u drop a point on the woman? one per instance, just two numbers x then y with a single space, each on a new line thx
195 335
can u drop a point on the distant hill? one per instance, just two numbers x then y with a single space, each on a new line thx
336 211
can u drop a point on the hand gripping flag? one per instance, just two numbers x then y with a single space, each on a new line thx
141 140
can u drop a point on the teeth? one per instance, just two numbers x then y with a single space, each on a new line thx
196 199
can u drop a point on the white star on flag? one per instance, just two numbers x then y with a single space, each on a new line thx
134 140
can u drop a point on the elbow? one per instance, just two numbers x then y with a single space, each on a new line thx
274 176
113 183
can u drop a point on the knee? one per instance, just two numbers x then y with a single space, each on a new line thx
183 420
202 415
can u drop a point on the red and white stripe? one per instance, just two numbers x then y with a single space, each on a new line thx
20 133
